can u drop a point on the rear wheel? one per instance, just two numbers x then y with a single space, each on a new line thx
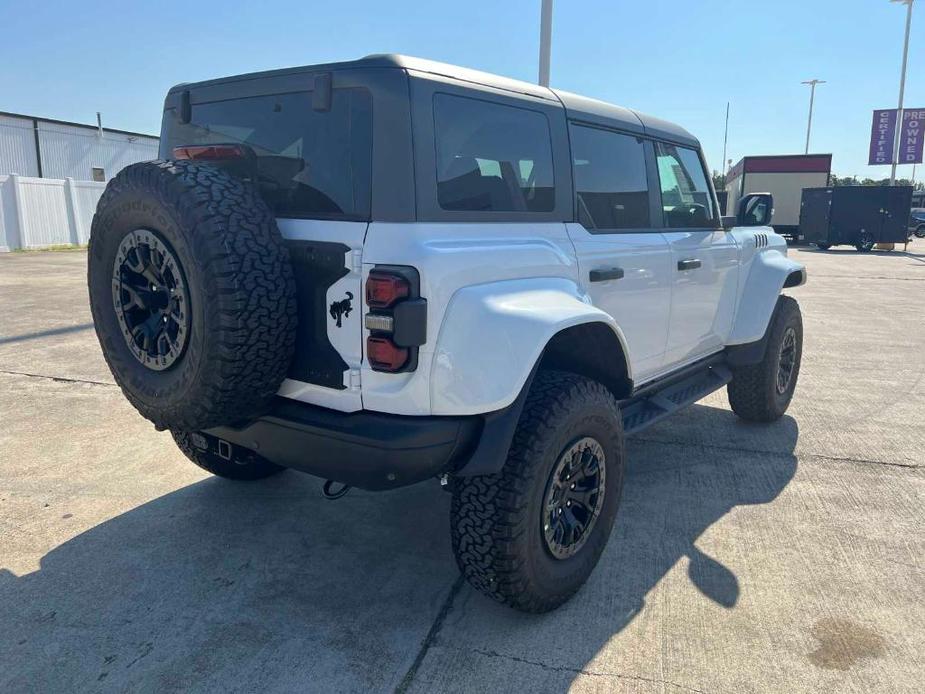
762 392
823 246
865 242
530 535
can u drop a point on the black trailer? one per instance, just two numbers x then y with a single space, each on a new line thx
858 216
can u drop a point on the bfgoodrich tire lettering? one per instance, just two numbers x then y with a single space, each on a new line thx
760 392
240 287
497 520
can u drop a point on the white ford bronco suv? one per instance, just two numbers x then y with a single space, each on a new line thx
391 269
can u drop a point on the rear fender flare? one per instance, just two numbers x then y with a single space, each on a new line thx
493 334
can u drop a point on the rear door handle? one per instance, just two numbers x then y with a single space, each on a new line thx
689 264
614 273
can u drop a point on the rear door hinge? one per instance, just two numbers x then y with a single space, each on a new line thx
354 377
356 261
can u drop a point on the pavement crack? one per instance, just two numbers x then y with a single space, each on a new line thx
59 379
766 452
583 671
445 609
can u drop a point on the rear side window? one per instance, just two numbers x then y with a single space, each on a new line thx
610 179
686 198
309 164
491 157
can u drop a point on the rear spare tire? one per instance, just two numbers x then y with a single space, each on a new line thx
192 294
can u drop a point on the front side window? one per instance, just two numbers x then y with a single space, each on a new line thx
306 163
686 198
492 158
610 179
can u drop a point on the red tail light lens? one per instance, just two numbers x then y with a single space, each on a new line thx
385 355
383 289
209 152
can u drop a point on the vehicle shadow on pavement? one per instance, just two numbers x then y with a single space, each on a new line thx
683 477
222 585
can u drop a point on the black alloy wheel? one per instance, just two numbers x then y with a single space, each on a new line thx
786 360
574 497
151 300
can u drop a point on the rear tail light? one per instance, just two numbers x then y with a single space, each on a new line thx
209 152
384 289
385 355
397 324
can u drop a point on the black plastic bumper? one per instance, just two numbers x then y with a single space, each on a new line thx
369 450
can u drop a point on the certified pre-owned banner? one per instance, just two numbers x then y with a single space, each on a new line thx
883 136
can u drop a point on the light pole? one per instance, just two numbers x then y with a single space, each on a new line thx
545 41
812 96
902 88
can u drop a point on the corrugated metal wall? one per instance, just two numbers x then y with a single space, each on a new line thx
17 147
68 150
74 151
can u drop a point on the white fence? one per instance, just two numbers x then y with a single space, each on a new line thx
38 212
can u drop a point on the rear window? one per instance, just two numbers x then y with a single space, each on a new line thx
492 157
308 164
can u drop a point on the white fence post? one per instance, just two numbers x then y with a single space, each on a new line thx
20 240
73 212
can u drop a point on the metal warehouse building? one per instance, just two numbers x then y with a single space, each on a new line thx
47 148
52 174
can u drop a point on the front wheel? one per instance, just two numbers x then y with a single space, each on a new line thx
920 232
762 392
530 535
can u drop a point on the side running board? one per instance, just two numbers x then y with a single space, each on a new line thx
646 409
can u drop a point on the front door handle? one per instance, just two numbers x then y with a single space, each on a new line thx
689 264
614 273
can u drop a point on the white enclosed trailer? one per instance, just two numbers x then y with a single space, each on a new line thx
785 177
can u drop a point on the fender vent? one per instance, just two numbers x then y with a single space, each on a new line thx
761 240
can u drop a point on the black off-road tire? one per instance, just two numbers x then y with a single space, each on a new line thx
241 465
753 392
496 520
239 280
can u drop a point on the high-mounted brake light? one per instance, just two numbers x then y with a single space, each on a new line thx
384 289
385 355
209 152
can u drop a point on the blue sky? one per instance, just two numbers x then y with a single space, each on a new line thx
677 59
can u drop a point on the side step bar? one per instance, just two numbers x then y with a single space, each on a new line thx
655 404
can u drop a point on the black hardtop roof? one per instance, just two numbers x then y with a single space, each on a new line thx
577 107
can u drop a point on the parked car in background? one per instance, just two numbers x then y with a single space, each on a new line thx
917 222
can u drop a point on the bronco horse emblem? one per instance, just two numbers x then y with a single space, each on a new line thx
341 308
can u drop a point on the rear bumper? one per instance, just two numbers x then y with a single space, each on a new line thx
369 450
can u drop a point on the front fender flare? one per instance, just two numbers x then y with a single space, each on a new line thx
769 272
493 334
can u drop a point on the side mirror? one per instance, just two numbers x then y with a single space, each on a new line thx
755 210
728 221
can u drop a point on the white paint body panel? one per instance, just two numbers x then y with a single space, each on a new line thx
640 302
497 293
703 299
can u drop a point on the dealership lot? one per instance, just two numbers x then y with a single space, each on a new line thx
786 557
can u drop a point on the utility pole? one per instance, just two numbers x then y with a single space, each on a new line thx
812 96
545 41
902 88
725 140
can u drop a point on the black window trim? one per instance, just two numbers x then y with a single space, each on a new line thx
646 142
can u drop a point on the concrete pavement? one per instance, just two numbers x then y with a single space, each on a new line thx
745 558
